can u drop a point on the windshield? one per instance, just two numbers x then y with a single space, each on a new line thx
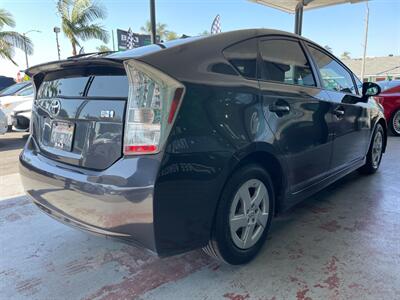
28 91
386 85
12 89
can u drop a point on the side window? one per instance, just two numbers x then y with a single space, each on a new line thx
109 86
334 76
284 61
243 56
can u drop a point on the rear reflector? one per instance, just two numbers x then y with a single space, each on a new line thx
141 149
153 102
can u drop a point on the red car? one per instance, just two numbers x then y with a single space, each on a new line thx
390 99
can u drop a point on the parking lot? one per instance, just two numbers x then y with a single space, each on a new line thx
342 243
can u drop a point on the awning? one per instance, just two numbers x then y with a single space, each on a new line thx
297 7
290 5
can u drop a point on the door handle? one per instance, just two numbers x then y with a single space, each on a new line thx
279 108
339 112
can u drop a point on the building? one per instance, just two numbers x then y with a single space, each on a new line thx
376 68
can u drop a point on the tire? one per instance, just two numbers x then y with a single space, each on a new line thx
375 152
395 123
234 246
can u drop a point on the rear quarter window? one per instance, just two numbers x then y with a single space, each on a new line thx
243 56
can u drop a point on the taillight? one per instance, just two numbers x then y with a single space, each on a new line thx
153 101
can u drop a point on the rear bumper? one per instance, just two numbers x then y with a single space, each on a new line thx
116 202
3 123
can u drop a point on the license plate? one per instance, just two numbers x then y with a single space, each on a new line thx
62 134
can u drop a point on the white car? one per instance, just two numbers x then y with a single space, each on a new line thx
21 116
15 88
8 103
3 123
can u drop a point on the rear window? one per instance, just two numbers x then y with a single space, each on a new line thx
63 87
111 86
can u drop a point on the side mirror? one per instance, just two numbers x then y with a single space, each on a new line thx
370 89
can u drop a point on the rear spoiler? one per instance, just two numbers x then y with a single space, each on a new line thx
78 60
91 54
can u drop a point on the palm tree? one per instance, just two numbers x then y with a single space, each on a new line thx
328 48
171 35
205 32
77 17
161 29
9 40
103 48
345 55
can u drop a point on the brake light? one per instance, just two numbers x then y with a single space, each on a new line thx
153 101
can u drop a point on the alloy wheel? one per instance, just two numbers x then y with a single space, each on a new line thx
377 148
396 122
249 213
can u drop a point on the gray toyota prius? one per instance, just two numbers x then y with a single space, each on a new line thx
197 142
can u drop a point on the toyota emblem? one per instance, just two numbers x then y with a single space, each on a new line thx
55 107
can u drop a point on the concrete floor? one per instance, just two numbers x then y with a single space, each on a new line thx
342 243
10 147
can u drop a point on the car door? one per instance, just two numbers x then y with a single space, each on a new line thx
350 115
296 109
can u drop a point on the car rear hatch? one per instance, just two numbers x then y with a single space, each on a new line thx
88 112
78 112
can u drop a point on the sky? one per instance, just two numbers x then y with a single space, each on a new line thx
340 27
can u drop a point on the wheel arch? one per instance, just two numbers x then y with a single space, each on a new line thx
274 168
269 159
391 117
266 156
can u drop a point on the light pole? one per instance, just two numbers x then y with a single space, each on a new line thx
153 21
365 43
25 50
57 31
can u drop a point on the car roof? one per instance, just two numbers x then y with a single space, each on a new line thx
229 37
219 41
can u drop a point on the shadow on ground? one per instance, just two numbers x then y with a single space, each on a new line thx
13 141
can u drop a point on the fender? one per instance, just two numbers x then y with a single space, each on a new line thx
256 147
